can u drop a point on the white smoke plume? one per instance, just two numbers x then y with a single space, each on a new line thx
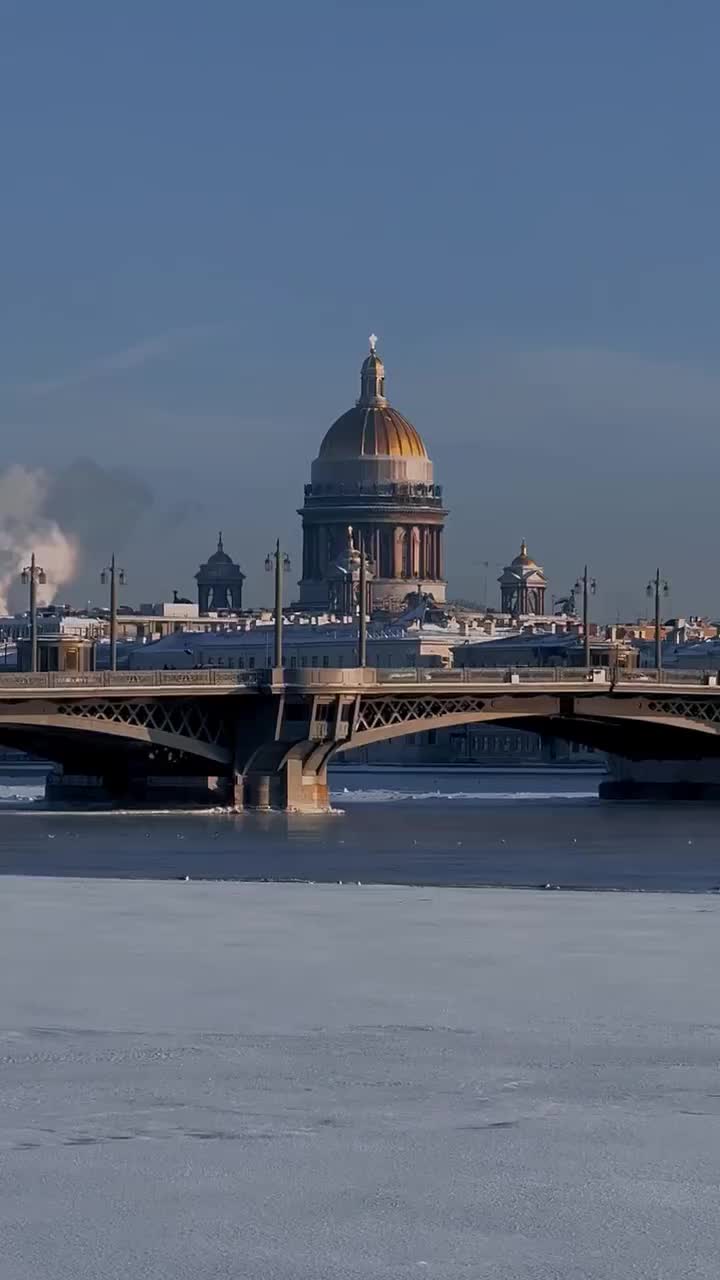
24 529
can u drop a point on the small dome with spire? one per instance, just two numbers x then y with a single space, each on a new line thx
220 557
524 559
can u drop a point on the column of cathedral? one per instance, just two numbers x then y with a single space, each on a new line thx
407 552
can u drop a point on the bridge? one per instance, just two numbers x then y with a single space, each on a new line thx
263 739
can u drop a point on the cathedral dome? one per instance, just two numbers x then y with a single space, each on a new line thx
372 429
369 431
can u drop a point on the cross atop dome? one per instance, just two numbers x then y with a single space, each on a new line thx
373 342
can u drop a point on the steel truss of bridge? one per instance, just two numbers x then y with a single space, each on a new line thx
263 739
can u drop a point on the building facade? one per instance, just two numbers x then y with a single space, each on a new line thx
372 489
304 646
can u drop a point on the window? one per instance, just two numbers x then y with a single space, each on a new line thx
293 661
251 662
314 660
303 660
432 737
326 660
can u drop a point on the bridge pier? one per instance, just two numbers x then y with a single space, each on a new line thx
292 779
284 790
663 780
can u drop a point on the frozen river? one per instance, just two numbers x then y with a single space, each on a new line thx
206 1080
435 826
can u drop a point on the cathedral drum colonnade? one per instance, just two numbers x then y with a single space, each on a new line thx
372 474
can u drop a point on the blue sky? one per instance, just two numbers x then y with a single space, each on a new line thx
207 207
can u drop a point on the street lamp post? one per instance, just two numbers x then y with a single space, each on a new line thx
33 574
588 587
658 587
281 563
362 615
117 578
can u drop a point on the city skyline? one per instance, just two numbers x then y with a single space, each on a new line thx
115 485
195 267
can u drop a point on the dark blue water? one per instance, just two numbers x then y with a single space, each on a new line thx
430 827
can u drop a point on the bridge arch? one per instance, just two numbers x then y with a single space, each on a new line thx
56 729
609 722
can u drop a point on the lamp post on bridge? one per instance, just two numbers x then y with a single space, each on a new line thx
33 574
366 572
362 606
281 563
116 578
588 586
658 587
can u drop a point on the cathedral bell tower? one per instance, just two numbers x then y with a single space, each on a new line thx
522 586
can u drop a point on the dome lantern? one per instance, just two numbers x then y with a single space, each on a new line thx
372 379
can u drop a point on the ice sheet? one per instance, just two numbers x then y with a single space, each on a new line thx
284 1082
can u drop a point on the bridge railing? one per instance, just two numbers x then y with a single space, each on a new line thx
529 675
351 677
609 676
127 679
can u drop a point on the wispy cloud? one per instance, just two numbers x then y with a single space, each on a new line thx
134 357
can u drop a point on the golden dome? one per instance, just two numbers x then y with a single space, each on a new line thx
372 429
367 432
